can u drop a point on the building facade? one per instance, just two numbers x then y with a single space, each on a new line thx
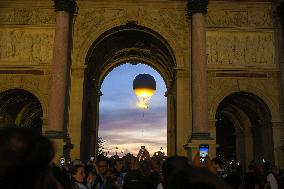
222 63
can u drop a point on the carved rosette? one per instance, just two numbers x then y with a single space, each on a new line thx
196 6
65 5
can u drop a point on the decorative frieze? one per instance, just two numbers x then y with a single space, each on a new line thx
26 45
240 48
27 16
242 17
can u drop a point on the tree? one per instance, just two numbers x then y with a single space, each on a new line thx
101 149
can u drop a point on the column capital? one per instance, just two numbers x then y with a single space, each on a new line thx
65 5
196 6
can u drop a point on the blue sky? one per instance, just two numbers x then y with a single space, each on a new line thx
122 124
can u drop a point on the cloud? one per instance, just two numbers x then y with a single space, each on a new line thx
132 118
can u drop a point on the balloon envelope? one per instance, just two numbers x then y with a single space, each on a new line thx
144 85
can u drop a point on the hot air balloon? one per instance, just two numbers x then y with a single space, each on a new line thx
144 86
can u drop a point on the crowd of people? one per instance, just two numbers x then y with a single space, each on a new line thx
26 161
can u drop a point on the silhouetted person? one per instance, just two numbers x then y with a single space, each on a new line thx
172 165
25 158
251 178
143 177
195 178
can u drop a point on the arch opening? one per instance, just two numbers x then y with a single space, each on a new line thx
124 44
246 119
21 108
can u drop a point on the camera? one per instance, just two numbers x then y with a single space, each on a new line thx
142 149
203 152
62 160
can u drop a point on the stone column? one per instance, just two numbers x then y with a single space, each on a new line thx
59 71
197 10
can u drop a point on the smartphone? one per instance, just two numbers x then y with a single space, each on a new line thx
92 158
203 152
62 160
142 149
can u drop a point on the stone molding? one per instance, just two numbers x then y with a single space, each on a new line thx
56 134
196 6
65 5
200 136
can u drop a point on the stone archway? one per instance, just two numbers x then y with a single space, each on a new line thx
21 108
125 44
250 119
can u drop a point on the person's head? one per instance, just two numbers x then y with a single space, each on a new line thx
118 164
77 162
134 180
194 177
78 173
251 167
25 157
110 173
102 165
173 164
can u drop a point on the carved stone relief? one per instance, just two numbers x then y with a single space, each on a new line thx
240 48
240 17
89 20
173 23
26 46
27 16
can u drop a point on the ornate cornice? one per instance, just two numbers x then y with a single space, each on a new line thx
196 6
65 5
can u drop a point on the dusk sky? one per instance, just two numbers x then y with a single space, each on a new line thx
122 124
